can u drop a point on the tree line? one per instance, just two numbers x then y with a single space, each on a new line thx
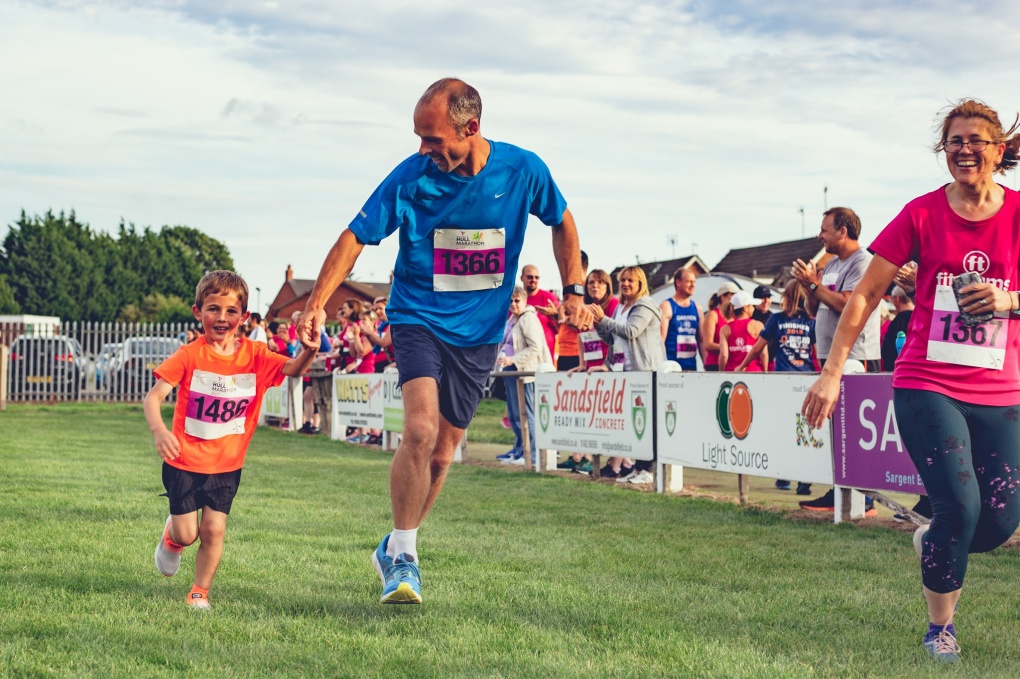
55 265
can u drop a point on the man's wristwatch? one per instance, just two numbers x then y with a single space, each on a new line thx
812 287
575 289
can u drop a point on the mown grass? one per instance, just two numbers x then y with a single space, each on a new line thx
524 575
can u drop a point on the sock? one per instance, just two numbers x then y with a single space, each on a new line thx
403 542
934 630
198 593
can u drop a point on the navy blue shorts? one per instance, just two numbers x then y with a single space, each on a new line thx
191 491
460 372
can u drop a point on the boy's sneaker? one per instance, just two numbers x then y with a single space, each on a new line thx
199 601
641 477
782 485
400 577
825 503
941 644
167 557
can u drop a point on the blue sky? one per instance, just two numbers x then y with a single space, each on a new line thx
267 124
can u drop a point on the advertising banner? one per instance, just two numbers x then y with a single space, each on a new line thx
743 423
276 403
603 413
372 401
868 451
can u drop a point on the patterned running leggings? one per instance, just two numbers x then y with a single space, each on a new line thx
968 457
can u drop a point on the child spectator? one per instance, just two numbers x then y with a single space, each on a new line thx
220 380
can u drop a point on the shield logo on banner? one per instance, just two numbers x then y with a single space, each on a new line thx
639 416
670 417
543 416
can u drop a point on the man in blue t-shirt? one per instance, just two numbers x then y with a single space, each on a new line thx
681 319
460 207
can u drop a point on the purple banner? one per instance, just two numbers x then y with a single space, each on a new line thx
867 448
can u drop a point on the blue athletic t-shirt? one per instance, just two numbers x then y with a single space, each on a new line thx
795 335
419 199
684 324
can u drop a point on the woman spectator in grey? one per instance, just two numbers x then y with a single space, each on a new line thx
526 351
635 344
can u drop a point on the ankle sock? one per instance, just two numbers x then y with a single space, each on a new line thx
168 543
403 542
198 593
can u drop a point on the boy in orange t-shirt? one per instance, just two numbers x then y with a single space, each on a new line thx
221 380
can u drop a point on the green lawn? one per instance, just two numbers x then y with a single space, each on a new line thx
524 575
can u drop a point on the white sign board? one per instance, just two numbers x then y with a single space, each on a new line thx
604 413
370 400
743 423
276 402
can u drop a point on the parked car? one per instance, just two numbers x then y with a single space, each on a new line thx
104 358
47 366
130 370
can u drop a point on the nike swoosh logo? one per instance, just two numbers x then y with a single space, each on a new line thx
500 195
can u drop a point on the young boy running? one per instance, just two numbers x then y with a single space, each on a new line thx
221 380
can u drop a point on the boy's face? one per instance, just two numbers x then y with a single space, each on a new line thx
220 315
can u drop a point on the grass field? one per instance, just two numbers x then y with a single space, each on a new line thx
524 575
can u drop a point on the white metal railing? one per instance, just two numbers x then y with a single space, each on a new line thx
86 361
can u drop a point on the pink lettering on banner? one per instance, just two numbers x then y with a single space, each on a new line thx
469 262
216 409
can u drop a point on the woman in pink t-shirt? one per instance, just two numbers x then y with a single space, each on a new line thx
739 336
957 380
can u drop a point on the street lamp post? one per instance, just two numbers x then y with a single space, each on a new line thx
258 299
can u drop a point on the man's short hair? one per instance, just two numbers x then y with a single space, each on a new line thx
897 291
255 317
221 283
384 300
679 272
463 103
845 218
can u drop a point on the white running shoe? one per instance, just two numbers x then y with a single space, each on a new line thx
919 540
167 560
627 478
641 477
199 602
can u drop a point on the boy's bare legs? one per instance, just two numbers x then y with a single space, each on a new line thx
210 550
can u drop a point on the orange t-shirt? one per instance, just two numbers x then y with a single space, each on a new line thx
218 401
566 340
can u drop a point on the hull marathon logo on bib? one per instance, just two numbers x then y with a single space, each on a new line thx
217 404
465 260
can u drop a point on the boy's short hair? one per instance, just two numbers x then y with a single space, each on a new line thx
220 283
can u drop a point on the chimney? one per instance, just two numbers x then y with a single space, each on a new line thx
290 274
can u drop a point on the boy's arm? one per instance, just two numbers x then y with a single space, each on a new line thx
167 445
299 364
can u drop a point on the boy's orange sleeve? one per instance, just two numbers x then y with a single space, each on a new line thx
173 368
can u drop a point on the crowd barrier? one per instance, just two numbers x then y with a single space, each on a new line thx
742 423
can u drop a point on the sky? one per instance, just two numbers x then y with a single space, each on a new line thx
671 127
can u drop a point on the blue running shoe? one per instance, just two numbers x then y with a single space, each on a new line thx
508 455
941 645
400 577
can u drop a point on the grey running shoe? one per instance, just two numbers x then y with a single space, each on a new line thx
168 560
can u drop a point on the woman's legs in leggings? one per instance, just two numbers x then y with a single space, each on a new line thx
968 457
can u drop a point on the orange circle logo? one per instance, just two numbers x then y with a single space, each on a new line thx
740 410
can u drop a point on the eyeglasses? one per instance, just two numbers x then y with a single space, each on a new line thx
976 145
531 277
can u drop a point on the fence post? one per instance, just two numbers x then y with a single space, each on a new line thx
5 355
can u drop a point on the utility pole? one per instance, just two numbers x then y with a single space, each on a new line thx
802 232
825 198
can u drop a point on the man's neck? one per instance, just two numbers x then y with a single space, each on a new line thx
682 301
849 248
477 159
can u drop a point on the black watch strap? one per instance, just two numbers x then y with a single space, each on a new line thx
812 286
575 289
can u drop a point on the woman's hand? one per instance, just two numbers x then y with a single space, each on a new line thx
979 298
598 369
597 312
503 361
821 400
